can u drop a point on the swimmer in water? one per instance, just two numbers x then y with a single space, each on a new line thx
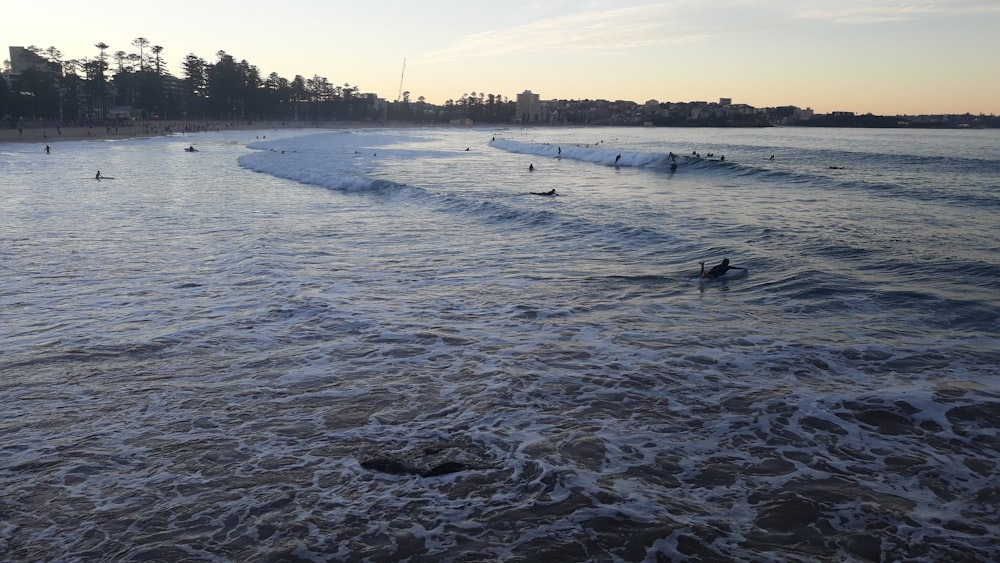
718 270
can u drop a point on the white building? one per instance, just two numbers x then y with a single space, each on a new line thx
529 107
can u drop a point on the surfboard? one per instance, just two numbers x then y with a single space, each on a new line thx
729 275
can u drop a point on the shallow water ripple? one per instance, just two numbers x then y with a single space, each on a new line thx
419 362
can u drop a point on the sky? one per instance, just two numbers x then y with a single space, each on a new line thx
886 57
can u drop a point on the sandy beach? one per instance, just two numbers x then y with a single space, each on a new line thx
47 134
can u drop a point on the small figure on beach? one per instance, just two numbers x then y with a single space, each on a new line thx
718 270
47 149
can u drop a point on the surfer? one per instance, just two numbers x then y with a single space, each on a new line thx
718 270
98 176
47 149
617 158
531 167
550 192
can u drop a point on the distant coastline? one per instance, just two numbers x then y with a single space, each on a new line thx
47 132
41 90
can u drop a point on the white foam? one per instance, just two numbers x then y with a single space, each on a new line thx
202 357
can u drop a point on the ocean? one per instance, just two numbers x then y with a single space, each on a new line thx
380 345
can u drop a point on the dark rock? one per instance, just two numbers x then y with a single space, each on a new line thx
391 466
427 461
445 468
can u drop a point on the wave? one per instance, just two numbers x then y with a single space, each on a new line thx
347 162
340 160
595 153
344 161
881 175
370 162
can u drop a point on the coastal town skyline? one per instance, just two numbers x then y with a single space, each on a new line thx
884 58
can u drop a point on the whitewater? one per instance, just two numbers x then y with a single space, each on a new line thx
379 344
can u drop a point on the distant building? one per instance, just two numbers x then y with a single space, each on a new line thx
529 107
803 114
725 101
22 59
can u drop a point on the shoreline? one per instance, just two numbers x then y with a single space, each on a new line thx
48 134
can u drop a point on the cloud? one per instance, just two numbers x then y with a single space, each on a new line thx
629 27
687 21
861 12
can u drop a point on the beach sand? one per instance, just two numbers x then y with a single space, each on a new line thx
33 133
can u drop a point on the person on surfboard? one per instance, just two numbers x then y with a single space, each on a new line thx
718 270
98 177
550 192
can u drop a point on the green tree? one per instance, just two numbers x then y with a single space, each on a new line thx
141 43
158 61
72 91
196 82
275 97
98 103
120 57
7 111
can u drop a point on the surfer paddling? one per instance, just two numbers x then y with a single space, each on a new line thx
718 270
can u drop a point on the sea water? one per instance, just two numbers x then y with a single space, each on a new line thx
378 344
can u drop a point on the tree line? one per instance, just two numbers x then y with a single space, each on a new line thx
117 85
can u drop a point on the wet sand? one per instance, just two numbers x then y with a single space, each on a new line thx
32 133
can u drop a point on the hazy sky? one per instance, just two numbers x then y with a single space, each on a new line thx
879 56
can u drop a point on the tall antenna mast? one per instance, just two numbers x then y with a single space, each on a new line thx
401 75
